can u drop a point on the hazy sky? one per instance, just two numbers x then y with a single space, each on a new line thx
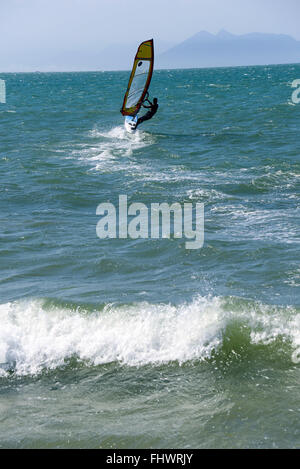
43 27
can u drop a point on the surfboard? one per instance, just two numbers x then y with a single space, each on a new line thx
130 123
139 82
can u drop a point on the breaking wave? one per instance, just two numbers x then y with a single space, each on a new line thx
39 335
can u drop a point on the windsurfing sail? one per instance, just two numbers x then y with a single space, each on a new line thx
139 80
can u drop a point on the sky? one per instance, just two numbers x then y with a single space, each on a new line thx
36 34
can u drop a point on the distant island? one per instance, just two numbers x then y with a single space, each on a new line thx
225 49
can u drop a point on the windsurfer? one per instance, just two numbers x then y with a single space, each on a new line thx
153 110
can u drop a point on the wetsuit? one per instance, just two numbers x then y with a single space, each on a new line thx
153 109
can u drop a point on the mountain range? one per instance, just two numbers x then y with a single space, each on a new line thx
225 49
200 50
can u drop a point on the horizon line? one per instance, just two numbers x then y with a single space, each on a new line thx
157 70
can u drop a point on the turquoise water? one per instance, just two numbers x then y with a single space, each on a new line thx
123 343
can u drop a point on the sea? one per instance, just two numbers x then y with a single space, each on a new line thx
140 342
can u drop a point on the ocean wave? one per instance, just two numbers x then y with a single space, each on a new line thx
37 336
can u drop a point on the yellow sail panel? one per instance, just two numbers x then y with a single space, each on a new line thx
140 79
145 50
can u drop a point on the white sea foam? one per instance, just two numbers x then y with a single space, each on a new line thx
206 194
34 337
112 146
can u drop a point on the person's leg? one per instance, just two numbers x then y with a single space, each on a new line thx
144 118
140 119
